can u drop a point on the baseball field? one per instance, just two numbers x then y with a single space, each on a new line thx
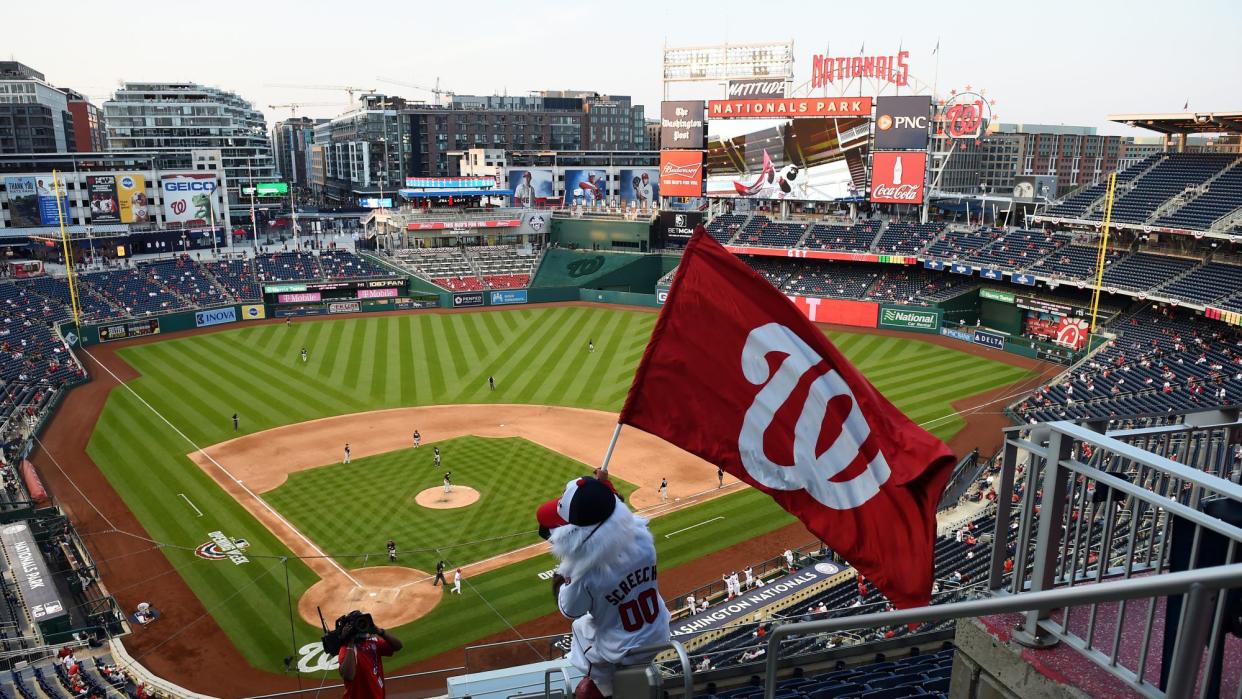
253 518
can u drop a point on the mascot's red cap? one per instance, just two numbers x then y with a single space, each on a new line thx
585 502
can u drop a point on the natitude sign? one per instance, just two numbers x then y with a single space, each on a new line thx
897 177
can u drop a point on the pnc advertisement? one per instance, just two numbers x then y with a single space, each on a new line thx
189 197
901 123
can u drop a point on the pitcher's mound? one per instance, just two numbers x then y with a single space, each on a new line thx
436 499
393 595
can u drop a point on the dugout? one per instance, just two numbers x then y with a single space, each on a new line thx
37 591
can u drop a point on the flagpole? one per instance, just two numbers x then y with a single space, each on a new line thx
612 444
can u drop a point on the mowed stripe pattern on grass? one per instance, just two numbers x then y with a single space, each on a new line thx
537 355
357 507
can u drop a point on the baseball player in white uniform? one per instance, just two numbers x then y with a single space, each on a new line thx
690 605
750 577
347 453
457 581
448 483
605 581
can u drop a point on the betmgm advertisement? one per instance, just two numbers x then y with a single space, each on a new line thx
535 186
809 159
639 187
190 198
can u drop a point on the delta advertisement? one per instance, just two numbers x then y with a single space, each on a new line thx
588 187
188 197
23 201
534 186
49 212
640 186
104 206
795 159
898 178
131 194
681 173
901 123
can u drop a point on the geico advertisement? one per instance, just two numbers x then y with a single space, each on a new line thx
189 197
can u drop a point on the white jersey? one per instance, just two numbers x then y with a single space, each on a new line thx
623 603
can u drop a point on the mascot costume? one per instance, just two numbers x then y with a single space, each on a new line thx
605 580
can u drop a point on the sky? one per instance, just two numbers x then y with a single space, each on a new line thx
1050 62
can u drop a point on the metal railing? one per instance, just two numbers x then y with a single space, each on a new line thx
1123 512
1197 586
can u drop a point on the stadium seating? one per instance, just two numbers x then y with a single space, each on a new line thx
501 267
1143 271
907 238
831 280
1019 249
134 292
724 226
1168 178
957 244
1077 204
1224 195
94 307
186 278
237 277
343 264
287 267
856 238
446 267
763 232
1206 284
1074 262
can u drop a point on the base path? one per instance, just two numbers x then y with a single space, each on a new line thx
249 466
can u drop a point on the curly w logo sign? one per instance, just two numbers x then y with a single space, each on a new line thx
737 375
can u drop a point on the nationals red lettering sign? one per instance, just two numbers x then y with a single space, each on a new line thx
839 69
897 177
791 108
737 375
681 173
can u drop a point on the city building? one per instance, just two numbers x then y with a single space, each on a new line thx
481 162
291 141
653 134
90 133
1074 155
361 153
34 116
614 121
1134 150
177 117
111 191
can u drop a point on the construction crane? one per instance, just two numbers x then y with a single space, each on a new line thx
293 107
433 90
348 89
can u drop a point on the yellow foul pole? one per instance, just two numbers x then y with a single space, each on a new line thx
64 240
1102 254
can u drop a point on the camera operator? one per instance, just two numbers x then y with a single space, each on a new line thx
362 646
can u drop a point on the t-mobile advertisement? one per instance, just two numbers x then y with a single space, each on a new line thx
303 297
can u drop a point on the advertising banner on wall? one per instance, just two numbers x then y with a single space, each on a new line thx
681 124
640 185
531 186
681 173
189 197
860 314
989 339
507 297
910 318
216 316
789 108
253 311
901 123
300 297
676 227
758 88
102 192
49 213
131 194
23 201
898 178
468 299
587 187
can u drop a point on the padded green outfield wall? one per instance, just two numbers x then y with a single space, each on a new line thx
601 234
612 271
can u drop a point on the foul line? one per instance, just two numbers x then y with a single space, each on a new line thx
692 526
226 472
187 501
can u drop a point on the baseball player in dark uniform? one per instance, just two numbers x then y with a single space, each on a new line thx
392 551
435 454
439 575
234 422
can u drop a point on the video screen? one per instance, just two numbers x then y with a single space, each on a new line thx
794 159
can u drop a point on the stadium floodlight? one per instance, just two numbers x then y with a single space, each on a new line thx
724 62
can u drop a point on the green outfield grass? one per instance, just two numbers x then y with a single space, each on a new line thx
513 477
538 356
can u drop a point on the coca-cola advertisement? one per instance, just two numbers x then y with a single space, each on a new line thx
898 177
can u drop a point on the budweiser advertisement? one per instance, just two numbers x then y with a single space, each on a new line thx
898 177
681 173
791 107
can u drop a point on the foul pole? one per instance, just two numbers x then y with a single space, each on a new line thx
1102 253
64 240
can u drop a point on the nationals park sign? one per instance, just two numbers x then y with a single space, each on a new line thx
910 318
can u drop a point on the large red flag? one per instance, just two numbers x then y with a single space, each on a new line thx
737 375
